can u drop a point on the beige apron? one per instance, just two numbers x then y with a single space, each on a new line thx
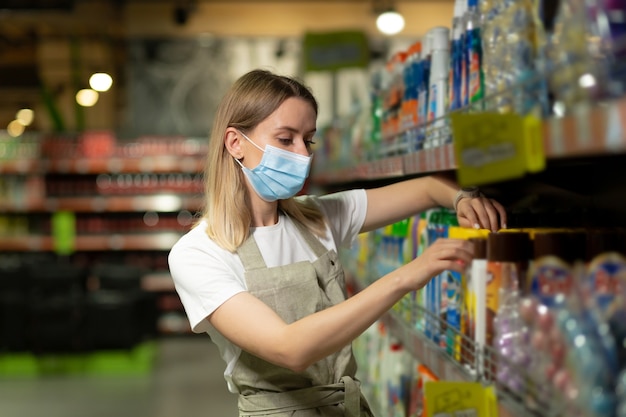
325 389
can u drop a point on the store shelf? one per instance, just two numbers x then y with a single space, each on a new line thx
157 282
160 203
20 166
114 242
589 130
441 364
148 164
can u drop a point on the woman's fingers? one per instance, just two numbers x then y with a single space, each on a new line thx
481 212
448 252
443 254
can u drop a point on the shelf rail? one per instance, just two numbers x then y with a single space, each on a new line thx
452 355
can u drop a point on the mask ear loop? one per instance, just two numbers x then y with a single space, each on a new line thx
251 141
239 162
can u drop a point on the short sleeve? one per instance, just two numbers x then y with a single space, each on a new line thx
204 275
345 212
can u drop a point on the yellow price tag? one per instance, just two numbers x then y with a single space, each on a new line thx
459 399
491 147
64 232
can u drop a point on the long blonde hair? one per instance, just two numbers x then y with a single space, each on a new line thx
251 99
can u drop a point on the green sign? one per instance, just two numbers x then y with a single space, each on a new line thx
331 51
64 232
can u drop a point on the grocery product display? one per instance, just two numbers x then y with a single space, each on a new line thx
538 315
503 57
87 221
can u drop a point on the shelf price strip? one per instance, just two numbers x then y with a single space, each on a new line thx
459 399
491 147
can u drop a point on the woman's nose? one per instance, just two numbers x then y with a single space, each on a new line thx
301 148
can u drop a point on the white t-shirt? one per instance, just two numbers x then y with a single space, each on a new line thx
205 275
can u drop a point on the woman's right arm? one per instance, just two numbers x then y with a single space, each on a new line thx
254 327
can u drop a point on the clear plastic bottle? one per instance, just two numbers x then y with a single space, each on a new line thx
577 62
473 41
493 35
456 57
525 44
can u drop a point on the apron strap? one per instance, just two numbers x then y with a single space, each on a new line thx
310 239
347 391
250 255
352 397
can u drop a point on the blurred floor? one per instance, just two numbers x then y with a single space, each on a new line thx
186 382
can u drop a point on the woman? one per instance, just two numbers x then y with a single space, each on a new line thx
259 272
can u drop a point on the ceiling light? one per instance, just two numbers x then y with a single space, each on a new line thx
15 129
100 81
25 116
390 22
87 97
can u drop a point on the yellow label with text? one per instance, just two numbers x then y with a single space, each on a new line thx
492 147
459 399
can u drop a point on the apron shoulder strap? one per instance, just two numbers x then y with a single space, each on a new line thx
250 255
311 239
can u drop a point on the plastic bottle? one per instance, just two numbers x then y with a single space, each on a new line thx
456 58
523 55
587 46
409 102
570 58
433 289
453 296
557 256
464 99
508 254
473 42
420 297
606 270
493 33
376 114
395 102
476 314
551 272
438 84
422 99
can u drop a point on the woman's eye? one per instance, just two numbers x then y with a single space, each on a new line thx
285 141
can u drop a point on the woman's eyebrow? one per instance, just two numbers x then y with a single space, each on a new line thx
294 130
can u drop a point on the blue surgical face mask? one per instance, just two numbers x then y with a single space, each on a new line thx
279 175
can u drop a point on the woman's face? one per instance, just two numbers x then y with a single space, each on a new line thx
291 127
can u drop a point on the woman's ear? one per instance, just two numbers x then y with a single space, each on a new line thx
232 142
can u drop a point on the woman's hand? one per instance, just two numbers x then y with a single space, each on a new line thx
481 213
444 254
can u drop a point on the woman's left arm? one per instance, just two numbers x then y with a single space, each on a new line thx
392 203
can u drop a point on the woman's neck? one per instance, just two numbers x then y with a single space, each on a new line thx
264 213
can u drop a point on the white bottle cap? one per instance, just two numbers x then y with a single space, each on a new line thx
440 36
458 8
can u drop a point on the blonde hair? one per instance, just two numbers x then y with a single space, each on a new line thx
251 99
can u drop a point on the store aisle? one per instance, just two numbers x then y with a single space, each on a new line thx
187 382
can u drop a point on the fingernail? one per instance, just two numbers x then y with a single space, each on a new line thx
504 225
476 226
